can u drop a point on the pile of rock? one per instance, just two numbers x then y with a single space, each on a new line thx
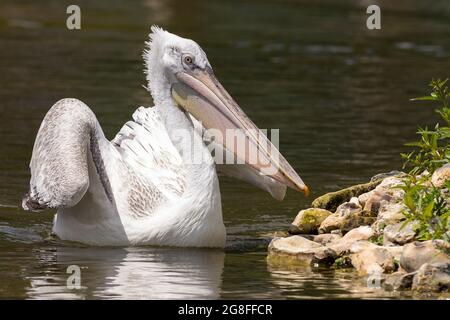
364 227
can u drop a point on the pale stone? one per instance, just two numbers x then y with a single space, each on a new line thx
401 232
441 175
415 254
384 175
398 281
326 238
364 197
389 186
368 258
373 204
297 248
308 221
389 213
432 278
344 244
348 216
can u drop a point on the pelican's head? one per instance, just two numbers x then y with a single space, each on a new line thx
178 69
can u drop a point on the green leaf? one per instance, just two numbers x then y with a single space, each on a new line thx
428 210
426 98
417 144
409 202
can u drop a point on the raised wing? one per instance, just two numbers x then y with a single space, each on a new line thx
59 163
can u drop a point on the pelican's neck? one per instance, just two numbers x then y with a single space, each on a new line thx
188 141
201 177
178 124
202 181
185 138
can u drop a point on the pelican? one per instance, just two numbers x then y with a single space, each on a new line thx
144 187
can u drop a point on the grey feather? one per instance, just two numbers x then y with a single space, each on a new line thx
59 163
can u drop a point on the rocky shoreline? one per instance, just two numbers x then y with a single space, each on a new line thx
363 227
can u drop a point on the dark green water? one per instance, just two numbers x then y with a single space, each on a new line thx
337 91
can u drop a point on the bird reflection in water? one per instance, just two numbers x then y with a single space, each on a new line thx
130 273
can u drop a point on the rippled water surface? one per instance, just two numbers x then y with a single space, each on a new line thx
337 91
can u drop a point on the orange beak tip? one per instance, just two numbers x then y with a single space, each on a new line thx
306 191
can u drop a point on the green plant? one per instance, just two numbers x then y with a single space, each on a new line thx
426 205
377 239
424 202
342 262
432 150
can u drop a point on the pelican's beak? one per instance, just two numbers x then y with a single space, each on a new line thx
200 93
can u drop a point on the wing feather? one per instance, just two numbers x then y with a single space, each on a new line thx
152 161
59 167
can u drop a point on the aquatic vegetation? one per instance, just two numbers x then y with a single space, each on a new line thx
432 150
426 186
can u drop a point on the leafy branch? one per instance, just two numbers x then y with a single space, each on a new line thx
425 203
431 151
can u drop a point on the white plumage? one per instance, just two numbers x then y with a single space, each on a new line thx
144 187
131 190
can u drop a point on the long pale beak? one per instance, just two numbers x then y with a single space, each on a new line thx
201 94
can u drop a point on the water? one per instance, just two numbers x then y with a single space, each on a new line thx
337 91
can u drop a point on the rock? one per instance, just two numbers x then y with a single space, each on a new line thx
362 218
297 249
389 183
395 251
432 278
336 232
332 200
415 254
326 238
331 223
389 213
373 204
362 198
308 221
441 175
323 257
355 201
382 176
399 281
400 233
348 208
368 258
293 245
348 216
390 187
342 245
425 174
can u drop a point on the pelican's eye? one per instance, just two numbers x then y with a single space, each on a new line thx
188 60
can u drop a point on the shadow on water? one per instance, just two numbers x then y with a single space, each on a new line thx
337 91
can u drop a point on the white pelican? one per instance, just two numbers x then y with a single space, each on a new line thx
143 187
